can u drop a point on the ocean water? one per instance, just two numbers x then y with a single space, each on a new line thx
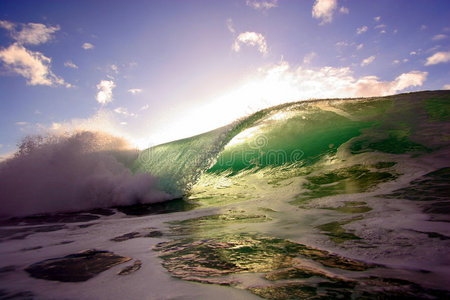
340 198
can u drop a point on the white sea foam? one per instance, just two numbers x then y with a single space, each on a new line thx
73 172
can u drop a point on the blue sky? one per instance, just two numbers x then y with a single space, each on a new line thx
155 71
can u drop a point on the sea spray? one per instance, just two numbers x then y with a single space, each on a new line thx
73 172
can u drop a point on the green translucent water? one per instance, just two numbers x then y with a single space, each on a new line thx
355 179
297 135
397 142
294 140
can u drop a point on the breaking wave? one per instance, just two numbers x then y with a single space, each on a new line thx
89 169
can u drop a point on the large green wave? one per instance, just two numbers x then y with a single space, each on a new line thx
298 135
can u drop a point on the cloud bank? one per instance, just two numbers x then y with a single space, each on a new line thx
32 65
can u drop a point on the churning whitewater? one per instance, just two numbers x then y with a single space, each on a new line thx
77 172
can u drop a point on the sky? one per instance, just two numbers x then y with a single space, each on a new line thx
156 71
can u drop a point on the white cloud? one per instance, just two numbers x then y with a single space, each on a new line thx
261 4
405 80
307 59
437 58
70 64
87 46
361 30
115 69
104 94
379 26
32 65
251 39
446 87
367 61
21 123
396 62
377 19
31 33
135 91
341 44
359 47
324 9
413 53
439 37
145 107
344 10
7 25
230 25
124 111
423 27
35 33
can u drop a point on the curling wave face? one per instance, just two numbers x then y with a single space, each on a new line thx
292 137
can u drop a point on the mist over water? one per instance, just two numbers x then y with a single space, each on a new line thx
83 170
